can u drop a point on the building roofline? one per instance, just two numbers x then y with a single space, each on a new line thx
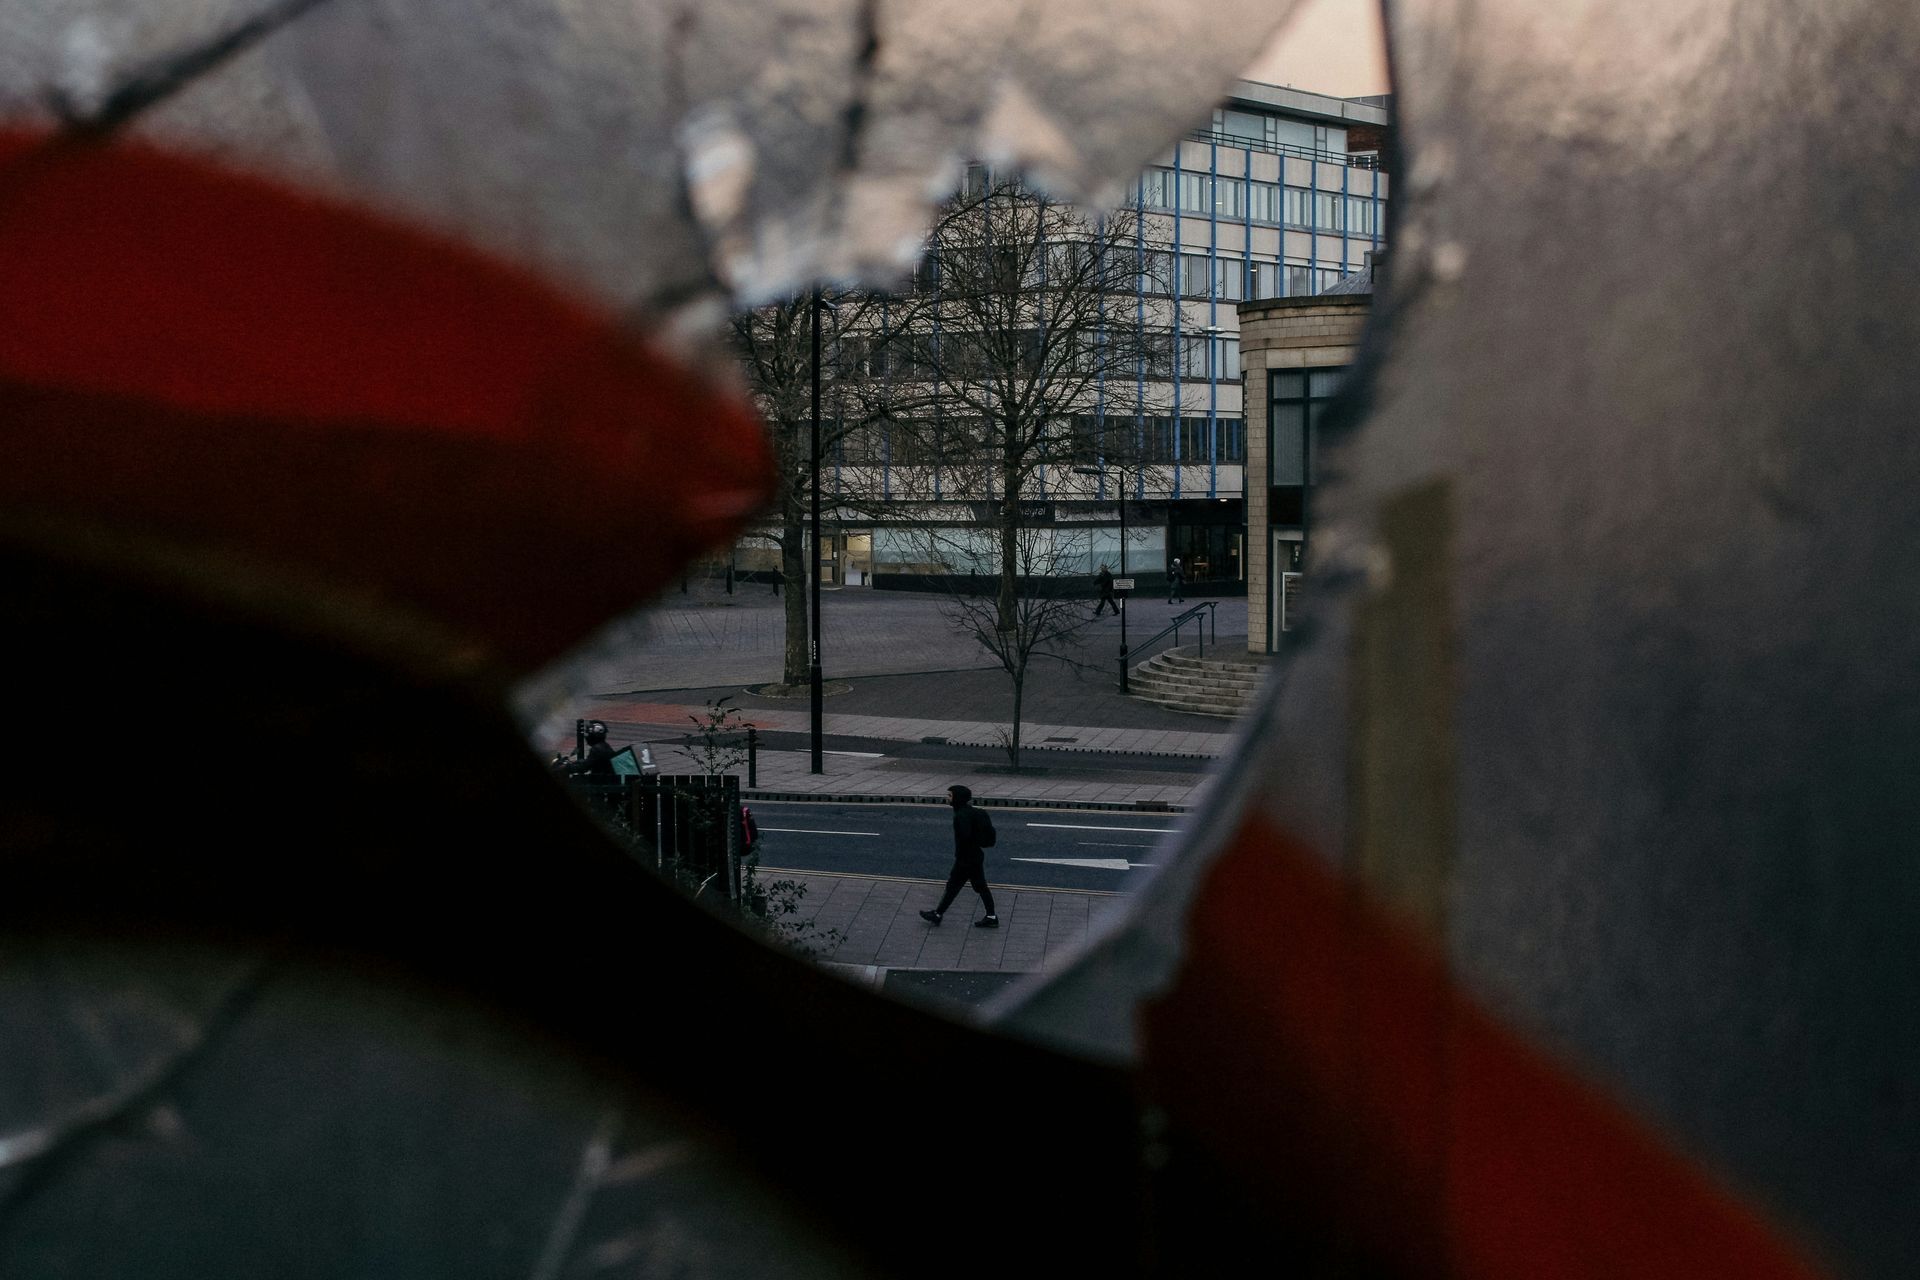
1300 301
1300 102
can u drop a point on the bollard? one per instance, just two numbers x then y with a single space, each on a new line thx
753 756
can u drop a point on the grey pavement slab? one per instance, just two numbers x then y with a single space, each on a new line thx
708 637
1053 697
649 697
880 926
882 643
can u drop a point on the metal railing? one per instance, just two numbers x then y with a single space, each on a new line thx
687 823
689 746
1204 629
1352 159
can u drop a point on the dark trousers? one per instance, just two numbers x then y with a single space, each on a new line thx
966 871
1106 599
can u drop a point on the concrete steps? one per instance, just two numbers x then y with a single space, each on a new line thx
1181 680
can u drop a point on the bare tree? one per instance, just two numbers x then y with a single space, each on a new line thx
1033 332
1031 351
1045 615
776 350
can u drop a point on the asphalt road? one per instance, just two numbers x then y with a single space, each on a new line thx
1044 848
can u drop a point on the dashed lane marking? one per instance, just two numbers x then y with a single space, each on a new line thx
1094 864
1075 826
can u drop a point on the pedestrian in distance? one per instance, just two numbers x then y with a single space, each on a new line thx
1176 583
596 764
1105 581
973 835
593 769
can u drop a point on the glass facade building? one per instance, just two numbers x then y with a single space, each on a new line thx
1282 195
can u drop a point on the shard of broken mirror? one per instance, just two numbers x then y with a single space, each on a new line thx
653 155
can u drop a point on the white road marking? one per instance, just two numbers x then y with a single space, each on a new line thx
1074 826
1098 864
1111 844
864 755
816 831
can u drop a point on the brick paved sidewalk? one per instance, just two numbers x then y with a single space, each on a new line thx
881 929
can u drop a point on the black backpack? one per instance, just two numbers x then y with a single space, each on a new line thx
983 830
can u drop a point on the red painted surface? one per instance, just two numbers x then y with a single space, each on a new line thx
234 369
674 713
1361 1092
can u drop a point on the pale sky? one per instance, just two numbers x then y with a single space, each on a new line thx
1329 46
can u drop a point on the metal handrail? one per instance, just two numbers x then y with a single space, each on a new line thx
1208 607
1352 159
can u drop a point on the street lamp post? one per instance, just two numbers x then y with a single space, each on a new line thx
1101 471
813 569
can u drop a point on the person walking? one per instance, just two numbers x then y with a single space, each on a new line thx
1105 581
1176 590
973 834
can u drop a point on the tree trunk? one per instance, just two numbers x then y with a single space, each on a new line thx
1007 607
1007 604
1018 673
793 567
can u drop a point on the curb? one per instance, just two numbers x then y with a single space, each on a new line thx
679 737
996 802
873 977
845 675
1061 746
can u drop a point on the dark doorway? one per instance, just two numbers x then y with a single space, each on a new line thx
1211 540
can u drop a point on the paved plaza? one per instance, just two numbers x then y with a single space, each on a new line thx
903 675
708 638
868 930
875 923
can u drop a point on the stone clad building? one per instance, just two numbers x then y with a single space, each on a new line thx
1293 354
